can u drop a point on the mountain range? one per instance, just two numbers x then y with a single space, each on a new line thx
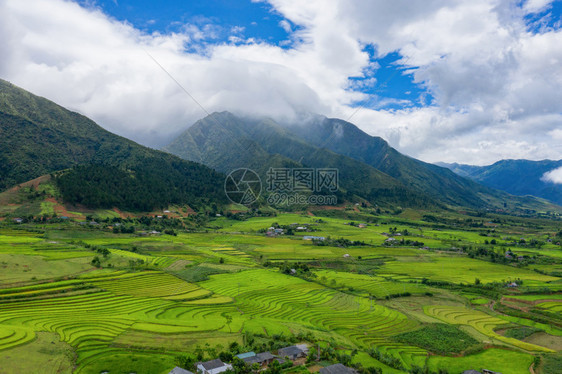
39 137
517 177
94 168
369 167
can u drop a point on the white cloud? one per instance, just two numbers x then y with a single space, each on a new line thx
285 25
553 176
535 6
495 84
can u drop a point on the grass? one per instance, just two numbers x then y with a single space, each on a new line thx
367 285
521 332
552 364
135 319
481 322
439 338
459 269
501 360
44 355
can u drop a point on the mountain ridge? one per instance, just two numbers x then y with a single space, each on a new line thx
39 137
516 176
366 161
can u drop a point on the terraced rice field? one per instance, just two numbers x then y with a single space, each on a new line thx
212 288
272 302
481 322
378 287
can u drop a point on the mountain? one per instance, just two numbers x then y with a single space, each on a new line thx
440 183
39 137
226 142
518 177
369 168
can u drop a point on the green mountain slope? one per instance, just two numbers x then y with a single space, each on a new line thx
38 137
442 184
518 177
226 142
368 166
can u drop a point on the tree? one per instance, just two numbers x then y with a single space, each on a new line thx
228 321
96 262
185 362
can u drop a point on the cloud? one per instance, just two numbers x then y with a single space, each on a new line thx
553 176
285 25
494 84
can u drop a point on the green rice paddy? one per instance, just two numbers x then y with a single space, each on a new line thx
155 297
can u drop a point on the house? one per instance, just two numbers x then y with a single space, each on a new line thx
346 255
212 367
362 225
178 370
293 352
263 359
242 356
337 369
300 228
303 347
18 220
512 285
486 371
471 372
309 237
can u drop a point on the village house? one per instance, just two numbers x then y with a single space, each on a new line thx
303 347
212 367
337 369
471 372
244 355
263 359
309 237
293 352
178 370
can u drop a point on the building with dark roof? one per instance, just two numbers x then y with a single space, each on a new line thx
337 369
242 356
178 370
293 352
213 367
263 359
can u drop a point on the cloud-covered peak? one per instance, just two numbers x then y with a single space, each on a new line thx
479 80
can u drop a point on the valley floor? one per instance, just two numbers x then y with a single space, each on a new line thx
401 293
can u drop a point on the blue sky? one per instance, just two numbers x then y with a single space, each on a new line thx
393 87
442 80
260 21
